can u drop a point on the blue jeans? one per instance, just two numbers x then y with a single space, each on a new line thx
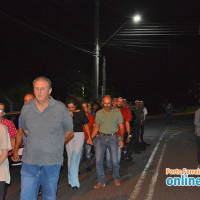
101 143
74 151
108 160
32 176
87 150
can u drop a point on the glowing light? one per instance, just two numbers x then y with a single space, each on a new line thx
137 18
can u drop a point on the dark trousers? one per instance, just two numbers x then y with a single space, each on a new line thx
142 132
198 151
136 134
2 187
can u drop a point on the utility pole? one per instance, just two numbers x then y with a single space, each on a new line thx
96 51
104 77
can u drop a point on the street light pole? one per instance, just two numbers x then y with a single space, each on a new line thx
96 51
104 77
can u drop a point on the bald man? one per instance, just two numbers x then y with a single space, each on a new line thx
105 131
20 135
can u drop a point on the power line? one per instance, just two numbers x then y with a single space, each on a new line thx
47 34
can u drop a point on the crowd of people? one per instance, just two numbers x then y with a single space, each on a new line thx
46 126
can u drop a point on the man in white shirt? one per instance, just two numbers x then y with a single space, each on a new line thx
144 115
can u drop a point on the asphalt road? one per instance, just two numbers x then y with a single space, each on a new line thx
143 175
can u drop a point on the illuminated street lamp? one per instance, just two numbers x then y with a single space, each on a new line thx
136 18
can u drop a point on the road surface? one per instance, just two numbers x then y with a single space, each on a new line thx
143 175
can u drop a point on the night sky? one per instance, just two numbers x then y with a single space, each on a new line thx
157 60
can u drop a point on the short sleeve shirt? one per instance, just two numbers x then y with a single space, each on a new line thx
79 119
127 117
24 136
4 144
46 132
108 122
11 129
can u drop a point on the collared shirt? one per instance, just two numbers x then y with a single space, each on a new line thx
4 144
11 129
127 117
108 122
46 132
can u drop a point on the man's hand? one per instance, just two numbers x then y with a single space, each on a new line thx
128 139
18 141
15 157
89 141
121 144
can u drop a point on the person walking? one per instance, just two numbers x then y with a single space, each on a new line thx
126 114
143 120
137 113
11 130
197 133
105 131
5 146
20 134
87 147
47 124
75 146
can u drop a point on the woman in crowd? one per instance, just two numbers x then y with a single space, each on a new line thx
75 146
5 146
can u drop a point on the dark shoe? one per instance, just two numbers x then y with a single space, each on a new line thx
89 169
117 182
69 185
99 185
75 188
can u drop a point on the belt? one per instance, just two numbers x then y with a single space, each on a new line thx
104 134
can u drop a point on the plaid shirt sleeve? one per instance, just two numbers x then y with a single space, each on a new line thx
11 129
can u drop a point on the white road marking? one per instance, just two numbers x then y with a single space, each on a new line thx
167 139
145 171
155 176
